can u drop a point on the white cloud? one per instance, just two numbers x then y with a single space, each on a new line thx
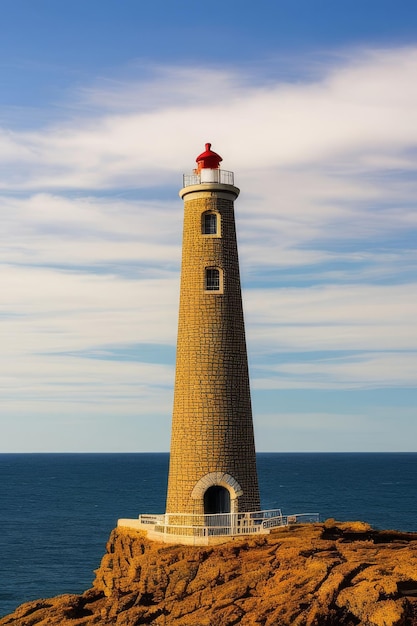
363 371
52 229
363 107
338 317
326 168
49 310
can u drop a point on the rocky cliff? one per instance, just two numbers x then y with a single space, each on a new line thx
314 575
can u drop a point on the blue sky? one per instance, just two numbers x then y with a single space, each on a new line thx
103 106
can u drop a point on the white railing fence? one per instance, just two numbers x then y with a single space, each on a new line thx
256 522
208 176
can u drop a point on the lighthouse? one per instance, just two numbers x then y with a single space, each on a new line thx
212 461
213 493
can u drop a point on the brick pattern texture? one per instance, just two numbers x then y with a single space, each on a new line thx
212 429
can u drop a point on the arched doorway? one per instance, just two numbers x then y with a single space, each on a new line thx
216 500
217 480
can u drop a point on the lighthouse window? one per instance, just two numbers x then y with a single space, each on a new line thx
212 280
209 224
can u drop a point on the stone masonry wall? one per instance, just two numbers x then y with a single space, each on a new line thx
212 428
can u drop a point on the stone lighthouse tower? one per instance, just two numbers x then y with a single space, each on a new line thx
212 462
213 490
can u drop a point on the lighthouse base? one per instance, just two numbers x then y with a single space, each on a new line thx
184 528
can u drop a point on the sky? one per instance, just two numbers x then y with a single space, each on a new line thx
103 106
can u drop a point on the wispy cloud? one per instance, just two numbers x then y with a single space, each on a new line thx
363 371
90 232
326 222
356 112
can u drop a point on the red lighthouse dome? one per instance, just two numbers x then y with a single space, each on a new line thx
208 159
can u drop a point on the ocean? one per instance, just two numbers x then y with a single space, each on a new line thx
57 510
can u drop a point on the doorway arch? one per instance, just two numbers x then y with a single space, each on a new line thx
217 479
216 500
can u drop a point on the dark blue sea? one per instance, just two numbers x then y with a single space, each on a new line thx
57 510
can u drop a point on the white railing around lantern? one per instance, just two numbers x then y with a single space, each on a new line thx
256 522
208 176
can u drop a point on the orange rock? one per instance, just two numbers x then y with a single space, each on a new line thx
327 574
